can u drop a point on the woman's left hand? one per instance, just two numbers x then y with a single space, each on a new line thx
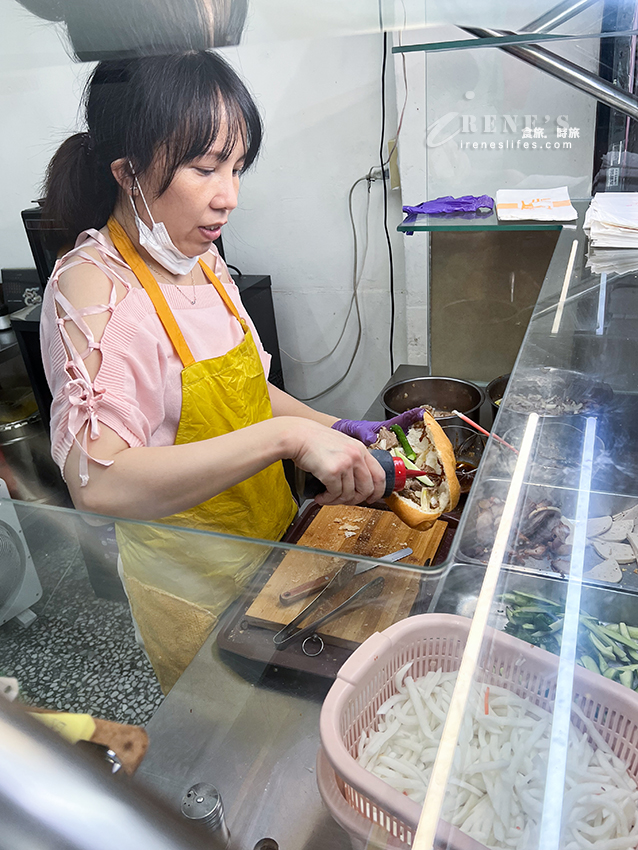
367 431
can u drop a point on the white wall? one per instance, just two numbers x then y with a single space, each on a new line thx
321 101
40 90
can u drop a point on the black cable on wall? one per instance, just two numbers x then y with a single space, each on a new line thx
385 199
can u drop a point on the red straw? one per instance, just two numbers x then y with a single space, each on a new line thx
482 430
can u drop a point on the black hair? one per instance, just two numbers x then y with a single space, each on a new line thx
118 29
136 108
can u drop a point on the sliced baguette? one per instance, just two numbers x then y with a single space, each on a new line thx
433 449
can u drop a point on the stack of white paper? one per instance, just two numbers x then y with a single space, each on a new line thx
535 204
613 261
612 220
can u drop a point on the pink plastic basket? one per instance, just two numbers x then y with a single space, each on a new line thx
433 641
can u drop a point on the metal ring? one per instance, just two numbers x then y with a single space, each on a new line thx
312 638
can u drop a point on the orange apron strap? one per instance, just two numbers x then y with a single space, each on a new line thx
143 274
220 290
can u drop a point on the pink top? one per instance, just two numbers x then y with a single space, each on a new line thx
137 391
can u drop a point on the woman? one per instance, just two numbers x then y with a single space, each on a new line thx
161 407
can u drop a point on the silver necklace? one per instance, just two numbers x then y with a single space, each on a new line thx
192 300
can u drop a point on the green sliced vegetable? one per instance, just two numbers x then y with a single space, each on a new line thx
620 654
524 597
423 478
405 445
610 649
626 678
620 638
589 664
607 651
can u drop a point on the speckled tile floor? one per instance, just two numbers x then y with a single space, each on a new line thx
80 652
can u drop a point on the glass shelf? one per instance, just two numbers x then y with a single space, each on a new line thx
470 221
505 40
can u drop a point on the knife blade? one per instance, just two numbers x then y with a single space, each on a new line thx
317 584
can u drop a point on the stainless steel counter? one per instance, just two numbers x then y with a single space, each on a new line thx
254 734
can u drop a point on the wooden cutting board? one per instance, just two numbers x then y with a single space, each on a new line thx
357 531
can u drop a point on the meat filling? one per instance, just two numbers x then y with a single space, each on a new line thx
386 440
414 487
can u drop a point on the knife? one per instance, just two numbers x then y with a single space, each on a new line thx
314 586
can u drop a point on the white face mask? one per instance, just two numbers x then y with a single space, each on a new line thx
158 243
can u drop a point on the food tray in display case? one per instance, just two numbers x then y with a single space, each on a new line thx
550 391
540 542
533 608
437 641
458 591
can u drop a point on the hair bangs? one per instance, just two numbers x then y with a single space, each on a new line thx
219 107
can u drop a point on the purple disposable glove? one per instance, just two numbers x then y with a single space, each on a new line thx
366 431
448 204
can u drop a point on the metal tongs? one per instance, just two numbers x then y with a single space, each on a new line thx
369 591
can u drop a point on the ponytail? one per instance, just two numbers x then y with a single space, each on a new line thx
80 192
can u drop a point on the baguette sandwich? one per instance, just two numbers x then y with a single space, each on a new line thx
425 498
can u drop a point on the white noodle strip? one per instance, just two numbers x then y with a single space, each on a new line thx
481 766
473 789
383 709
415 696
406 769
593 733
398 677
429 682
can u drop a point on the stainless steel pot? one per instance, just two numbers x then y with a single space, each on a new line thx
495 391
441 393
25 460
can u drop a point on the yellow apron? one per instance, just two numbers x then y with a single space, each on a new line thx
178 583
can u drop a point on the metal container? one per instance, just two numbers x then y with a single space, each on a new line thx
25 448
440 393
458 591
550 391
474 549
468 446
495 391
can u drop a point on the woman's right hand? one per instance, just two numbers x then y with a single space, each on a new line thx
350 473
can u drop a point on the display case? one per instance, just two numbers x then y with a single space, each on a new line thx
480 699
